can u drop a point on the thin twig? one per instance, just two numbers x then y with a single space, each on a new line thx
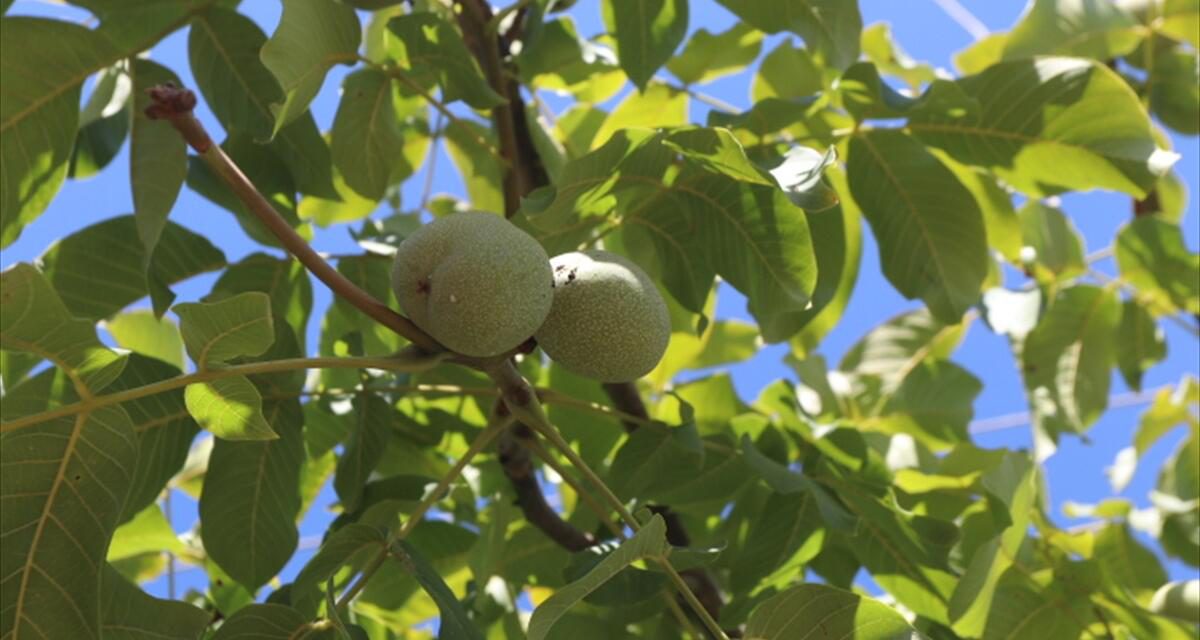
431 162
548 459
1021 418
708 99
399 74
175 105
407 365
964 18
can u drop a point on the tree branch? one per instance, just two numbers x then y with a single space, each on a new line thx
525 171
514 456
404 362
175 105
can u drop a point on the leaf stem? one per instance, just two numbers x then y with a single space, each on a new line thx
495 427
548 459
399 74
410 365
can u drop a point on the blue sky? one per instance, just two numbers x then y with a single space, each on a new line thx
1075 473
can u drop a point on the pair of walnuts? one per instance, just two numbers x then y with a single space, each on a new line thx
481 286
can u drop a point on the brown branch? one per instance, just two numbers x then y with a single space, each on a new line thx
516 461
175 105
625 397
525 171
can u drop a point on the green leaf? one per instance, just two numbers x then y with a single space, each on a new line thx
880 48
141 332
1056 243
229 408
655 456
1152 256
708 56
647 32
783 480
787 72
482 175
217 332
347 207
1050 125
1174 86
63 483
148 531
649 543
164 429
368 438
453 619
934 404
802 119
932 241
999 217
1179 19
1100 30
366 133
1180 478
431 50
909 562
1140 343
1014 483
342 547
788 537
837 245
71 263
558 59
1067 360
1171 407
716 149
128 613
103 124
39 112
34 319
831 28
157 161
264 622
750 235
631 586
799 610
657 106
1019 612
866 96
284 280
312 36
223 48
897 346
1125 562
250 498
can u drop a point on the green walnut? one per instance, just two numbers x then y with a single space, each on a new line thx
1178 600
473 281
608 321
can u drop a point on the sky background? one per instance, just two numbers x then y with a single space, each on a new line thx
924 30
